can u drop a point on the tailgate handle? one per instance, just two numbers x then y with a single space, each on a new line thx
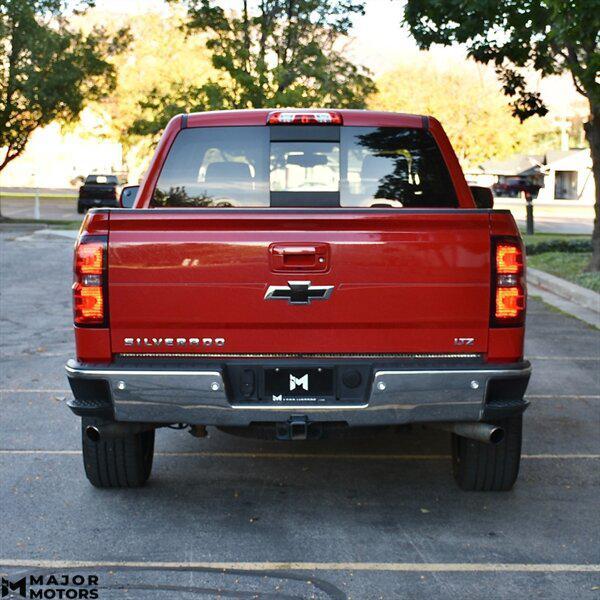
299 256
295 250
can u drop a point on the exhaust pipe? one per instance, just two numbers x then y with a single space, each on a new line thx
480 432
109 431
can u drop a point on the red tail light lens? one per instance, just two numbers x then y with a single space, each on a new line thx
510 301
89 304
89 288
89 258
281 117
508 283
509 259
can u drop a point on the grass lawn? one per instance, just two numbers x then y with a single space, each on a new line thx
569 266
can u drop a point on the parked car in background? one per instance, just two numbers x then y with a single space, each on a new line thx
97 191
513 187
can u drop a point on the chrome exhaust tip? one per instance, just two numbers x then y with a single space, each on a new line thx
496 435
93 433
110 431
480 432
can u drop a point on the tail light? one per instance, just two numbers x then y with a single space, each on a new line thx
508 282
89 285
281 117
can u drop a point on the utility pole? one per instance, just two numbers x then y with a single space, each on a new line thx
529 210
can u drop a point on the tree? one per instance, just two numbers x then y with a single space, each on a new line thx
273 53
143 68
549 36
465 97
48 71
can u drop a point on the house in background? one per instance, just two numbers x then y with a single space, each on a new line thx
561 175
569 176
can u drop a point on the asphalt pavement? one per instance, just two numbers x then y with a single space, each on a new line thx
236 518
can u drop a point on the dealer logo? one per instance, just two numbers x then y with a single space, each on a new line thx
298 382
52 587
14 586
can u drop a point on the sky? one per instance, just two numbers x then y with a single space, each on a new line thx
381 41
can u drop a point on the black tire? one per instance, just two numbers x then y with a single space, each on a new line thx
80 209
482 467
123 462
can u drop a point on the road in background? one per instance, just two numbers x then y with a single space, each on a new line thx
562 216
65 209
336 519
51 209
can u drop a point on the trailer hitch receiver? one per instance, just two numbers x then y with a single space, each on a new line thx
295 428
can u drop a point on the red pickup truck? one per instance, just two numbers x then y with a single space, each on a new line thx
290 275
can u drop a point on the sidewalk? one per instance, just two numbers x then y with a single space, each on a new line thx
566 296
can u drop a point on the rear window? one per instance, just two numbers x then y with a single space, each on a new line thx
223 167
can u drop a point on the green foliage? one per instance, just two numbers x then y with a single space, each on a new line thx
550 36
468 101
573 246
48 70
271 54
144 67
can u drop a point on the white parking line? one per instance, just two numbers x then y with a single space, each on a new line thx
302 455
310 566
563 396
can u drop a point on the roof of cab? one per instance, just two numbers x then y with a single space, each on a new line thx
258 116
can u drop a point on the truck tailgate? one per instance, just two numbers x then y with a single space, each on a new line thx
404 281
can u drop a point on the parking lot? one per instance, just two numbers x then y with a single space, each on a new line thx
236 518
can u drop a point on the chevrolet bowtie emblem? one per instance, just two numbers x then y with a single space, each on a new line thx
298 292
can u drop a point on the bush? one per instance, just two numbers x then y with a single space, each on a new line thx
559 245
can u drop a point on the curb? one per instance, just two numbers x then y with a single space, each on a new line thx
565 289
50 233
64 233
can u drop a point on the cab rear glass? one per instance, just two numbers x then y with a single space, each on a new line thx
222 167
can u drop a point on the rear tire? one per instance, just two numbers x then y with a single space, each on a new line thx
80 209
123 462
482 467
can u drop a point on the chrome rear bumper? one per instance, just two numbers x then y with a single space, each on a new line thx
185 395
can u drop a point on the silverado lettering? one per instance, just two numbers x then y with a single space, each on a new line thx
169 341
342 254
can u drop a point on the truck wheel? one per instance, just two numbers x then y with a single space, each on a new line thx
482 467
80 209
120 462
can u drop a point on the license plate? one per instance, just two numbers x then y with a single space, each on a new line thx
299 385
